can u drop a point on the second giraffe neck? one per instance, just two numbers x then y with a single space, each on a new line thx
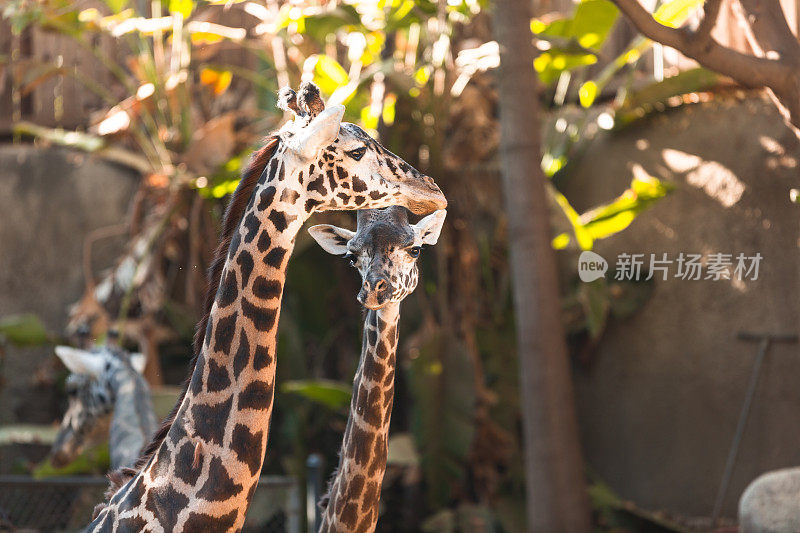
133 420
355 490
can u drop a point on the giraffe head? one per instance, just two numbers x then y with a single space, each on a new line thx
384 248
87 318
344 167
90 392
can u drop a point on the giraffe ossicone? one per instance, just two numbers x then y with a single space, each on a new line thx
201 469
384 248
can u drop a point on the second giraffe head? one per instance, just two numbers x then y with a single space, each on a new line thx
384 248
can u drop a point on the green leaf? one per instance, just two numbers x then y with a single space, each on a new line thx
329 74
608 219
184 7
608 226
389 109
589 25
584 238
587 93
675 12
369 119
225 180
560 241
116 6
342 18
551 64
639 102
574 40
331 394
611 218
592 21
423 74
23 330
552 163
224 188
404 13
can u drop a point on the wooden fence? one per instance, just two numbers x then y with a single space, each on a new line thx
63 101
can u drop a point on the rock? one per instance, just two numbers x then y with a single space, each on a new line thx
771 503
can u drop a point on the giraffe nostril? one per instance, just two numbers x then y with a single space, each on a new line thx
380 285
365 286
430 183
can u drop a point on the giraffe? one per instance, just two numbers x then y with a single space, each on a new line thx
384 248
133 284
201 469
105 380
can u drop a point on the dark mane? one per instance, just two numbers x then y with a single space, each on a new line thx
233 216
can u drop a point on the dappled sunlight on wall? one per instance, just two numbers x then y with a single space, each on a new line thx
779 156
718 181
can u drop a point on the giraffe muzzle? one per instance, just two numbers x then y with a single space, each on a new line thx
423 196
375 293
59 458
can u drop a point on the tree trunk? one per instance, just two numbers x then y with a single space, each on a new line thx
557 500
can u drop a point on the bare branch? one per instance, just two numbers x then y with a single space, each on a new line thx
648 26
710 15
771 30
776 66
748 70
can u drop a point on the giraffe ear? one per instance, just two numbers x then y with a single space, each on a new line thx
319 133
138 362
428 229
80 361
332 238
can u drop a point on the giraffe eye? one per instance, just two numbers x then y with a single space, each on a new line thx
358 153
351 258
414 251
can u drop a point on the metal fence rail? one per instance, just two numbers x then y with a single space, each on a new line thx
65 504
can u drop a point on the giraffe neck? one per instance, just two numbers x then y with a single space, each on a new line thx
356 487
133 421
205 471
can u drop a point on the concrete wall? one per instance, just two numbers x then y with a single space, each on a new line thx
50 199
659 404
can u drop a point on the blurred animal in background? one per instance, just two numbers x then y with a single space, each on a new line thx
128 297
105 381
384 248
